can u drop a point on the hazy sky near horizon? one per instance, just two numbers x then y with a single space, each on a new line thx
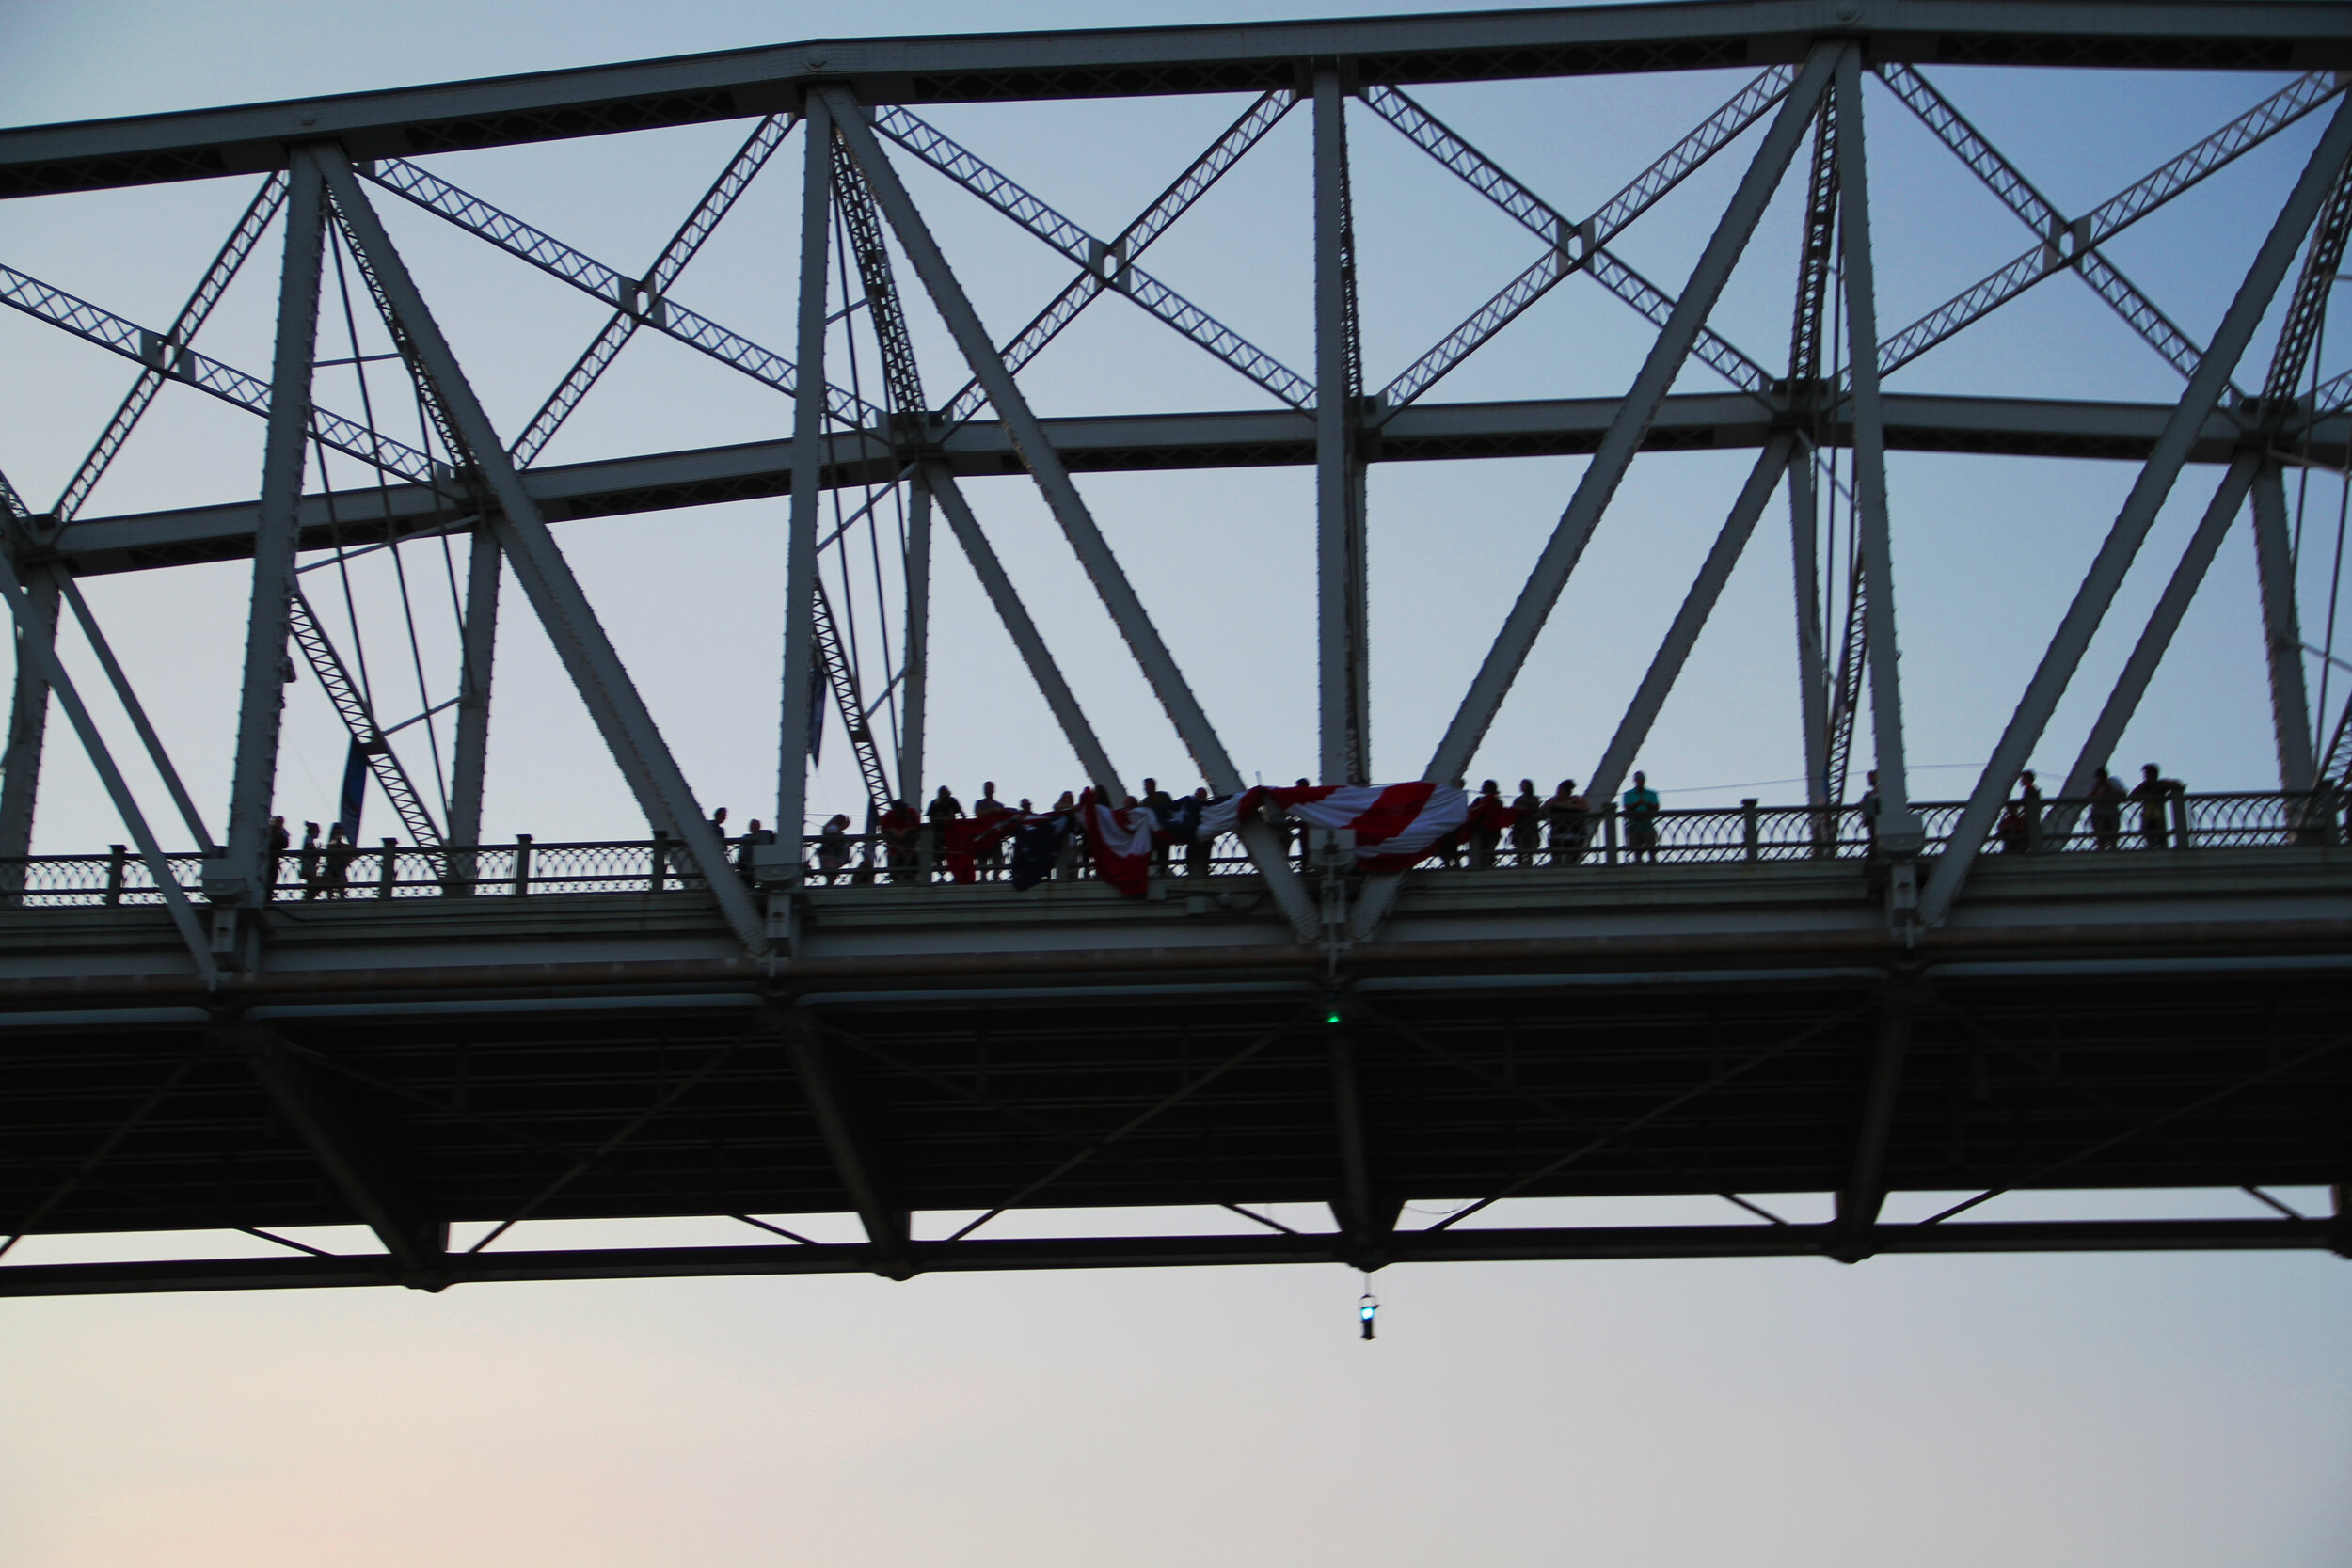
2155 1412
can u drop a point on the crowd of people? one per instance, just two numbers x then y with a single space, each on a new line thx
996 839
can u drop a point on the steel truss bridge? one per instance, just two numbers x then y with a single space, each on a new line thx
490 1035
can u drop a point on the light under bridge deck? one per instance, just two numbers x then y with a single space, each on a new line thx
2124 1019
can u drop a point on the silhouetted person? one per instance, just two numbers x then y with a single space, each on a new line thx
1162 810
900 827
991 860
1871 806
2021 819
1641 819
277 844
306 863
1569 817
335 864
753 836
1197 846
1527 823
2108 796
2154 795
1487 818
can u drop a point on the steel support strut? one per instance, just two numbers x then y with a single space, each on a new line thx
1039 660
1812 667
1690 619
1898 828
2283 634
470 765
1340 554
2107 731
1062 498
915 668
1624 438
795 734
102 761
579 638
29 720
2139 514
261 707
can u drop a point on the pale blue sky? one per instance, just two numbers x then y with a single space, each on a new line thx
2045 1413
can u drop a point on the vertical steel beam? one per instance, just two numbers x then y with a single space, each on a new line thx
1805 547
1633 420
808 459
1898 828
2282 633
915 668
578 637
478 650
1340 589
1697 604
28 718
2131 685
2139 514
1042 670
262 704
1061 498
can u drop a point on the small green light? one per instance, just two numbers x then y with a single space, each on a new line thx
1331 1014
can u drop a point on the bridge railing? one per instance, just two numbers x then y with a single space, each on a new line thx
1750 831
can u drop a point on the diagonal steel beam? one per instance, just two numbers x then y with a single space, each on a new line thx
1606 469
2036 212
1600 1141
30 642
580 640
967 170
64 587
1574 245
2112 216
1070 510
590 277
2139 514
28 714
1039 660
355 1162
192 316
1151 1112
2131 685
606 346
1131 242
1863 1193
849 1142
1697 604
1615 453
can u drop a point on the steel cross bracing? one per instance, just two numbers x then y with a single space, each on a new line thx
2037 213
1104 272
1575 245
651 294
590 277
2060 249
974 174
180 362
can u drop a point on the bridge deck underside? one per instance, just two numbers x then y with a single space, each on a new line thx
1467 1091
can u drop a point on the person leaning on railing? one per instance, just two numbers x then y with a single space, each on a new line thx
1527 823
1569 817
1641 819
2106 795
2154 795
